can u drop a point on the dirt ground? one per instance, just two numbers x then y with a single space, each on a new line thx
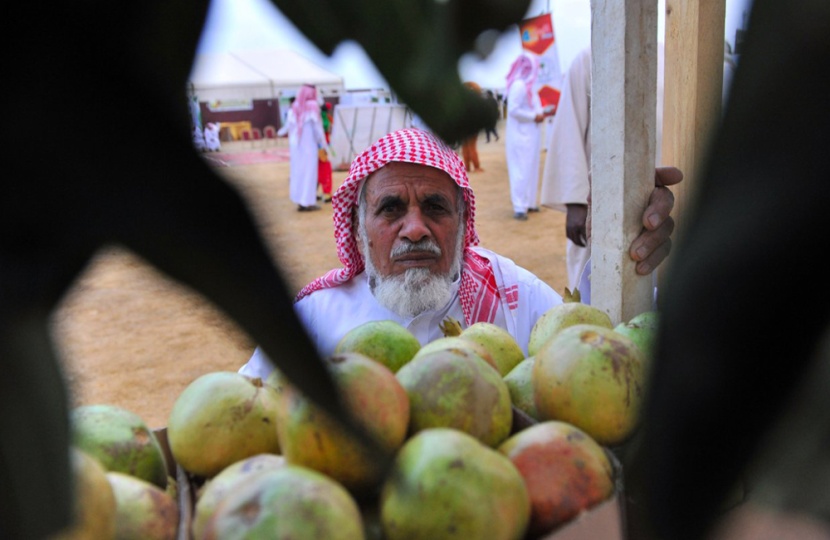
129 336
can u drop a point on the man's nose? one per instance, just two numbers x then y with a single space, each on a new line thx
414 227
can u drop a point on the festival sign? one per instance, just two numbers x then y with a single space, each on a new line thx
539 39
228 105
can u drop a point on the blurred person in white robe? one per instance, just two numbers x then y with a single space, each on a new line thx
566 178
523 135
212 143
304 127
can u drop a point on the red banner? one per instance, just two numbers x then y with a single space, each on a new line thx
539 39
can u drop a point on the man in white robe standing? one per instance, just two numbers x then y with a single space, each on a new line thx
306 137
522 140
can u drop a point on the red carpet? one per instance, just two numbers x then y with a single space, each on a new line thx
252 157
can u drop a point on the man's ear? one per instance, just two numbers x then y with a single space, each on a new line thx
356 231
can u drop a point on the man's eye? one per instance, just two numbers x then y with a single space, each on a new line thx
437 208
388 209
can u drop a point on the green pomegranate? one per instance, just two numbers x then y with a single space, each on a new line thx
94 502
217 488
120 440
221 418
503 347
448 388
143 511
387 342
560 317
642 330
289 502
460 345
592 377
447 484
519 383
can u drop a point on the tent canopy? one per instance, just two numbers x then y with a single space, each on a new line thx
257 74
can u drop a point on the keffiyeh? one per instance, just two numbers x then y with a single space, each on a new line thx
305 104
524 68
478 291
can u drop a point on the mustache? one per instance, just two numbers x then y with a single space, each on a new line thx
425 245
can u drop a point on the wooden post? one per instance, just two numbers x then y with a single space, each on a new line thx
693 89
623 141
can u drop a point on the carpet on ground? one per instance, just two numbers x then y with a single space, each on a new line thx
252 157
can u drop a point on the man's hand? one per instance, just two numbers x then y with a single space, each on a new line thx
576 224
653 244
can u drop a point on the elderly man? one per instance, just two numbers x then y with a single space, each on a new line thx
405 230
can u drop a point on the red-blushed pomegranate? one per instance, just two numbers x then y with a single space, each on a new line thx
565 471
310 438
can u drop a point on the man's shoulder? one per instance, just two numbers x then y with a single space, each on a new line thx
350 289
524 277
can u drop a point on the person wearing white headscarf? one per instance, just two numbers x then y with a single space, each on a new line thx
304 126
522 139
479 284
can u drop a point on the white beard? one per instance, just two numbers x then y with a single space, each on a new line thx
417 290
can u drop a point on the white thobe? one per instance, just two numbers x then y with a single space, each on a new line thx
328 314
212 142
522 145
198 139
566 178
303 147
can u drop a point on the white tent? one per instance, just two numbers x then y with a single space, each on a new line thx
258 74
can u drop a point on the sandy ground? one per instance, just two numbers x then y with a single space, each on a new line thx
129 336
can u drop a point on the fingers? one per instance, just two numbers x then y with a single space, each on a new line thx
667 176
652 247
654 243
659 208
645 267
577 236
576 227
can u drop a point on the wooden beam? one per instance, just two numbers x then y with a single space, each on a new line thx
623 142
693 89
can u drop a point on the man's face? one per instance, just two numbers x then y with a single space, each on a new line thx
407 203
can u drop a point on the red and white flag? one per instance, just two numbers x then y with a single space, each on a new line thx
538 38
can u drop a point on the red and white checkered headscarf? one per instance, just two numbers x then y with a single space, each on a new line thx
478 291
